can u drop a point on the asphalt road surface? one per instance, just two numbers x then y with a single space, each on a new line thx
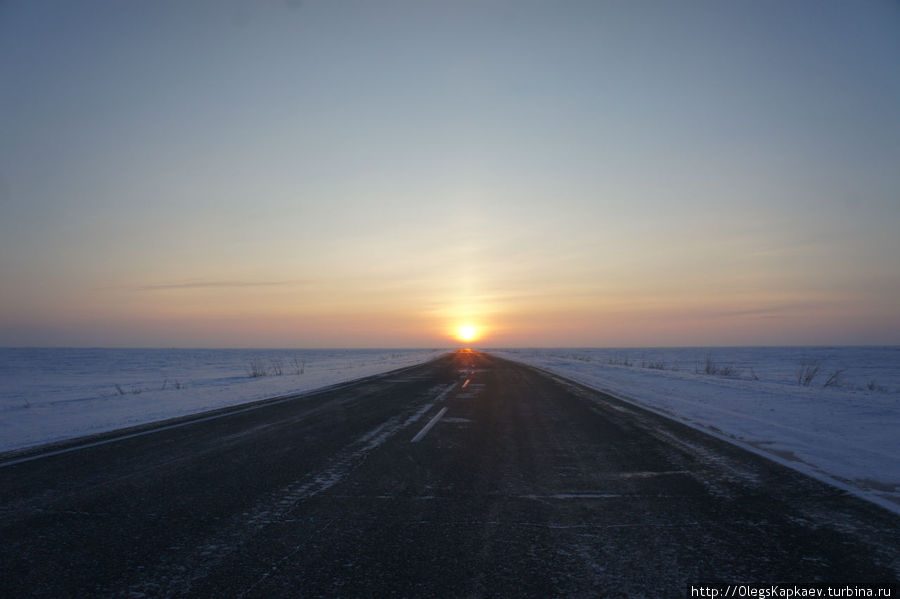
469 476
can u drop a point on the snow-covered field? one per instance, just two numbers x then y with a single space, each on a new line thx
58 393
846 432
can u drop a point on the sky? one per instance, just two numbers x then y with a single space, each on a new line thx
377 174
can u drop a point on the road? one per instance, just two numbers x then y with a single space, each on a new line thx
469 476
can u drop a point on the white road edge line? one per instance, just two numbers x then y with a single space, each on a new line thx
428 426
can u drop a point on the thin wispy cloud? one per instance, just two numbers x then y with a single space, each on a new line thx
213 284
767 311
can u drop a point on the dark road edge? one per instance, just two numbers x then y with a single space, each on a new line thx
797 466
45 450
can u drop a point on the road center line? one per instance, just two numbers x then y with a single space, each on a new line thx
428 426
445 392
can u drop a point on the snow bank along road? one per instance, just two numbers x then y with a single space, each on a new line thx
465 476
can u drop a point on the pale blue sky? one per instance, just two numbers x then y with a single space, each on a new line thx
375 173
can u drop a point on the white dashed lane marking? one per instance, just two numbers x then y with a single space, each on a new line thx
428 426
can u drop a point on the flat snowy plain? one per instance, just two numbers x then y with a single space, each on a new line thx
52 394
846 433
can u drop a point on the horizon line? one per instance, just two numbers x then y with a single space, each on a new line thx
435 348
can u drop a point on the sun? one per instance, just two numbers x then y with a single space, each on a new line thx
467 332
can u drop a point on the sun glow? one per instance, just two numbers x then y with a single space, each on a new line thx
467 332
